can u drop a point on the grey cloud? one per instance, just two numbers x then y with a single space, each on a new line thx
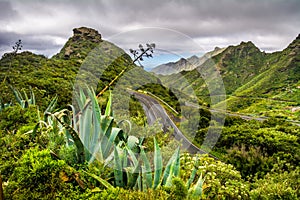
36 43
230 19
6 38
7 12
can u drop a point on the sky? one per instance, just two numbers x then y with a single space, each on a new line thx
178 27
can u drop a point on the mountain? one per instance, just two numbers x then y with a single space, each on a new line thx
85 59
255 82
185 64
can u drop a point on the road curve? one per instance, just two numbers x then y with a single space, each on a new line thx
154 111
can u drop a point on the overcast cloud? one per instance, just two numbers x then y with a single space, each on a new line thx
44 26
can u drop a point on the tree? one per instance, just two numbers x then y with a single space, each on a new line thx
18 46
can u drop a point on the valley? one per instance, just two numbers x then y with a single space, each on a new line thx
88 123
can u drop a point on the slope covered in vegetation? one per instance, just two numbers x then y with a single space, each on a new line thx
255 82
56 148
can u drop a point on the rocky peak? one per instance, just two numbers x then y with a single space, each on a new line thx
245 48
182 61
295 45
217 49
84 33
81 43
248 44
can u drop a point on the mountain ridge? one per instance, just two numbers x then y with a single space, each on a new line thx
253 79
185 64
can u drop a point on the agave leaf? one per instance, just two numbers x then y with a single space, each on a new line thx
81 99
73 122
118 173
132 156
128 122
79 145
18 95
97 134
102 181
32 97
26 101
51 106
139 182
132 175
176 164
125 157
132 142
110 141
174 169
157 164
106 124
108 109
109 159
170 176
193 174
66 119
146 170
196 191
169 170
86 128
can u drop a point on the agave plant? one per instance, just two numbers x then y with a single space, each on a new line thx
138 173
24 101
95 137
90 131
4 105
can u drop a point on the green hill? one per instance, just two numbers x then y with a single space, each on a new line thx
255 81
85 59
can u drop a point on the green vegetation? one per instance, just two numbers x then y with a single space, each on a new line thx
53 148
265 84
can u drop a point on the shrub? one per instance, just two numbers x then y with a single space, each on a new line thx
37 176
277 185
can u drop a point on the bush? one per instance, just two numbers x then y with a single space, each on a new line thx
12 118
222 181
250 161
37 176
277 185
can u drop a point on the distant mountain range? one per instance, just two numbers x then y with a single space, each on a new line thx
255 81
185 64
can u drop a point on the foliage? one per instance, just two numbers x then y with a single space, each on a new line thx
221 180
256 82
13 118
277 185
45 156
36 176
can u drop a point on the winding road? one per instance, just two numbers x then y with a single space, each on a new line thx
154 111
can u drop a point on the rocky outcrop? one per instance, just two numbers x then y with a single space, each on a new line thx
84 33
83 41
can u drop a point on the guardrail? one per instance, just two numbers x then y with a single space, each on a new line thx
159 99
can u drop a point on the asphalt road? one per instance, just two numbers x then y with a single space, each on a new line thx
154 111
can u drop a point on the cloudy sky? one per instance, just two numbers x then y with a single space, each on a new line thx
45 25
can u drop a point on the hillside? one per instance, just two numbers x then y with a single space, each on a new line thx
85 59
85 151
255 82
